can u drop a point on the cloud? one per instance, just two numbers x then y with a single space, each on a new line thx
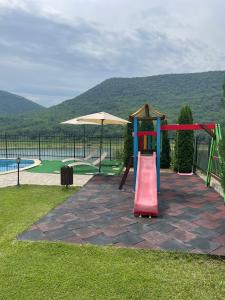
53 50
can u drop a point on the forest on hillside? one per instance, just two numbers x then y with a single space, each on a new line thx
122 96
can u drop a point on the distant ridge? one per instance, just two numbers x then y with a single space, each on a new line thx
121 96
11 104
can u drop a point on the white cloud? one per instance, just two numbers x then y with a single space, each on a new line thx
60 48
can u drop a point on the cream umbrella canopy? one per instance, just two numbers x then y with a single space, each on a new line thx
103 118
76 122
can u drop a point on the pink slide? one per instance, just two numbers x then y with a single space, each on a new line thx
146 202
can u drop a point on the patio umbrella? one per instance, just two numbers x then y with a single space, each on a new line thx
102 118
75 121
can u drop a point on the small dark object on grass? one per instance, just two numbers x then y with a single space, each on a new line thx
66 176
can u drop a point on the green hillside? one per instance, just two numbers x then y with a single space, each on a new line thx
11 104
121 96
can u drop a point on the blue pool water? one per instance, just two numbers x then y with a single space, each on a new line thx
11 165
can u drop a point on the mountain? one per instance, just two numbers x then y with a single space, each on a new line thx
12 104
122 96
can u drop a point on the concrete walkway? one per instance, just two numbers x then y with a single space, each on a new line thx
40 179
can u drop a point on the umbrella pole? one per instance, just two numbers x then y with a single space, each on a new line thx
84 142
100 150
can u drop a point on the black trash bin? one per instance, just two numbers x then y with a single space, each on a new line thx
66 175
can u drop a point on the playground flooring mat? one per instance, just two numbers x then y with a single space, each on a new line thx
109 167
192 217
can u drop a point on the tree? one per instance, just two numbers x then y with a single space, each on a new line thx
128 143
223 97
148 125
165 153
184 149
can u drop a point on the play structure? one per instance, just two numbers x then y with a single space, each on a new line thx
146 159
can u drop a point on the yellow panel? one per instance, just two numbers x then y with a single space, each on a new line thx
145 142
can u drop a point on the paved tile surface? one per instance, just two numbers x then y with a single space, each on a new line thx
39 179
192 217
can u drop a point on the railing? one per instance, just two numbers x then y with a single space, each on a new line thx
202 156
59 147
202 148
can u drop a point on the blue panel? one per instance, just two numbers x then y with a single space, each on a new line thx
158 152
135 148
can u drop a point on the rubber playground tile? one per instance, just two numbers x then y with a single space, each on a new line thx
204 244
220 239
33 235
129 238
114 230
74 239
219 251
157 237
59 234
192 217
174 244
140 228
101 239
184 236
87 232
162 227
206 223
185 225
220 229
188 216
147 245
205 232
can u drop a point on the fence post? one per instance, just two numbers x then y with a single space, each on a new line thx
195 154
158 152
135 149
6 146
209 147
110 148
74 146
39 146
84 143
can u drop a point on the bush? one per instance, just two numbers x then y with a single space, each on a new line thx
223 97
165 154
184 149
128 143
148 125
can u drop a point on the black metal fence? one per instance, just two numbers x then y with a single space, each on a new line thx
77 146
202 151
202 156
59 147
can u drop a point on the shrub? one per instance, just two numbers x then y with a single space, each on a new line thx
165 153
128 143
148 125
184 149
223 97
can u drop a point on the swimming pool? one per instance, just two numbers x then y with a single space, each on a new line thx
9 165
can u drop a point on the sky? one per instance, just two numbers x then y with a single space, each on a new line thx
53 50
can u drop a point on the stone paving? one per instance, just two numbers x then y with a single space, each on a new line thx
192 217
39 179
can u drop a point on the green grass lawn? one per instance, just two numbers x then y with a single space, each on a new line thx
44 270
109 167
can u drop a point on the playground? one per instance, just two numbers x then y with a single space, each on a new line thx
145 207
